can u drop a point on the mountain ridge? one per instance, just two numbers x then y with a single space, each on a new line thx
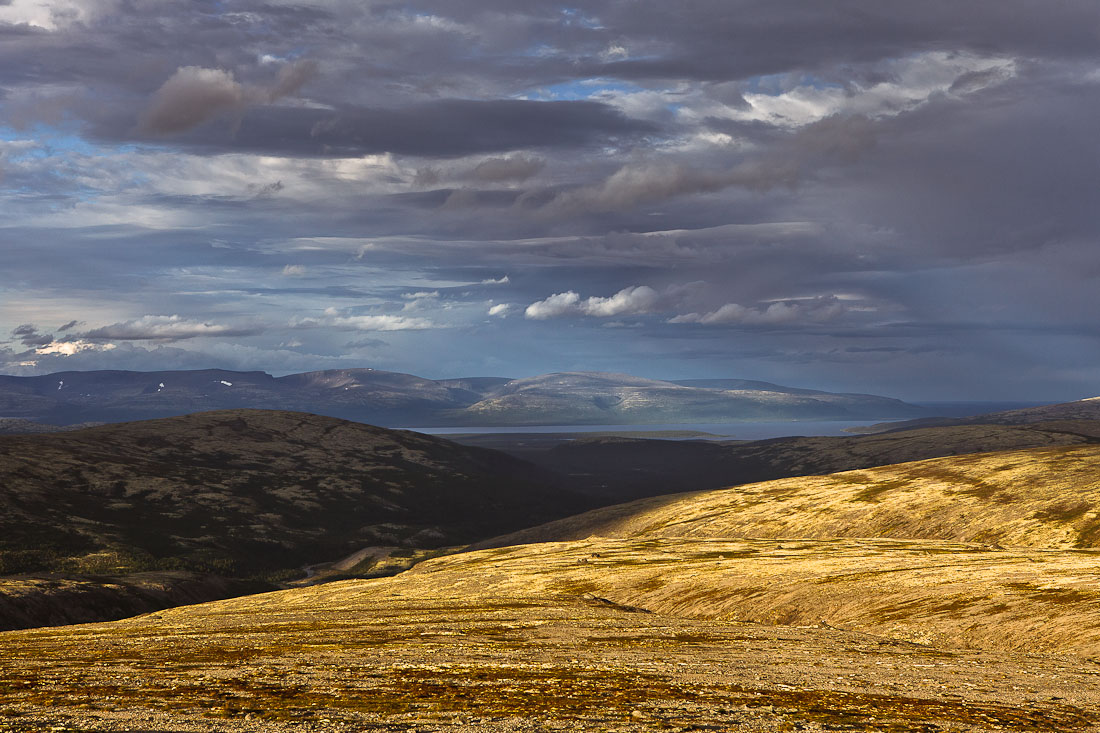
394 399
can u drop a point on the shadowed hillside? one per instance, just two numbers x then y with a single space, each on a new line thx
20 426
1086 409
250 493
955 594
29 601
625 468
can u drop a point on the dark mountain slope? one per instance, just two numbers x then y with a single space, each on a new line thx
29 601
1087 409
626 468
247 492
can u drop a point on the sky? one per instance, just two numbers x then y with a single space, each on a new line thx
862 195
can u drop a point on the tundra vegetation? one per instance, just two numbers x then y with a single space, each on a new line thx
950 594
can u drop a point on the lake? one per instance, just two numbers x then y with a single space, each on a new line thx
726 431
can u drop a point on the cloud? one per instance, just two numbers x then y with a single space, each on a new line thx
443 128
557 305
644 183
294 270
779 313
190 97
291 78
634 300
67 326
165 328
514 168
193 95
385 322
500 309
496 281
831 140
366 343
28 335
628 301
70 348
927 156
421 299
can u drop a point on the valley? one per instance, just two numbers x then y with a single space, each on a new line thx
926 580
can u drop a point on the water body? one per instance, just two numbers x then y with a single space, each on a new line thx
760 430
719 431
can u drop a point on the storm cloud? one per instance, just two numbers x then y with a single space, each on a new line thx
864 196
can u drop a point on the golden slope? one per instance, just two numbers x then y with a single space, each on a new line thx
930 592
508 640
675 624
1029 498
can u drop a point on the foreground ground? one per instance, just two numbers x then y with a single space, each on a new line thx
957 594
476 642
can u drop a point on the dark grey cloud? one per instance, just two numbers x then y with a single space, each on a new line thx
514 168
193 95
888 196
165 328
448 127
28 335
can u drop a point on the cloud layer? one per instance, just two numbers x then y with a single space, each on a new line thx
866 196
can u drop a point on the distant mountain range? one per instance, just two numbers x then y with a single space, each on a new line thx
403 400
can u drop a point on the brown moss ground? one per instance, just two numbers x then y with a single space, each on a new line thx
564 637
671 626
360 656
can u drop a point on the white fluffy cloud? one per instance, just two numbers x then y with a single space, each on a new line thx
816 310
557 305
634 300
383 322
